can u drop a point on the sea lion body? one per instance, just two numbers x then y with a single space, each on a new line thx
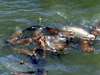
52 38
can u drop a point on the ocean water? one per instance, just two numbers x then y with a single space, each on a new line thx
20 14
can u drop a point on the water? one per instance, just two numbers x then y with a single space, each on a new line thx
19 14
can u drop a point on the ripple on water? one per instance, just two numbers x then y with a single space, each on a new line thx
64 68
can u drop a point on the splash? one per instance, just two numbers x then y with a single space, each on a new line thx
61 14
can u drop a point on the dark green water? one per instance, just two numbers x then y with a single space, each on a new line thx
19 14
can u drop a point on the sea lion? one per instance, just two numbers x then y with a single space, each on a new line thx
56 38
